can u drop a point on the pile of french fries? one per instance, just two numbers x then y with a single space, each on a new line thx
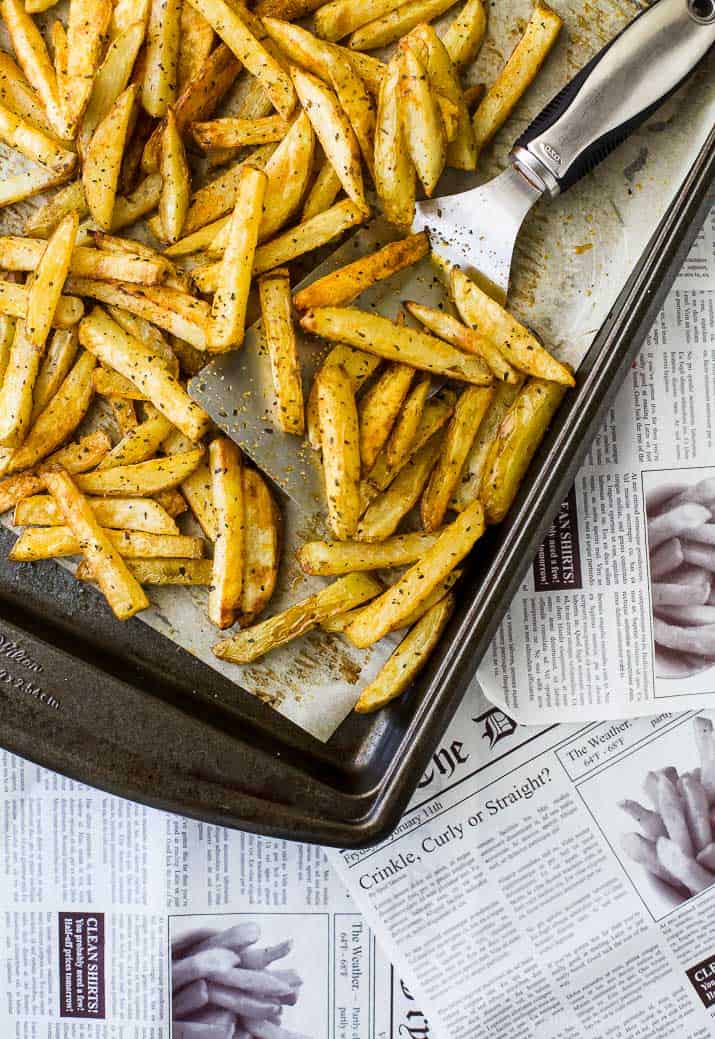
676 837
144 262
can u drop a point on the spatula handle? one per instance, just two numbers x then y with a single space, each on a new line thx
616 92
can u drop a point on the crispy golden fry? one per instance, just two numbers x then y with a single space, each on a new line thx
291 244
291 10
252 54
334 558
390 610
87 26
518 437
391 26
380 336
50 542
162 56
111 79
473 96
45 291
196 488
518 73
382 517
470 480
520 348
288 171
59 419
142 514
144 479
124 414
378 410
7 334
324 190
18 95
174 201
228 312
14 301
341 595
357 364
340 442
461 150
394 171
126 13
114 386
24 254
122 591
357 104
35 144
148 334
342 621
196 42
45 219
465 34
317 56
139 443
136 362
159 571
341 17
468 415
274 291
421 120
341 287
237 133
32 56
407 423
462 336
226 468
103 159
408 659
261 546
78 457
333 130
28 183
16 390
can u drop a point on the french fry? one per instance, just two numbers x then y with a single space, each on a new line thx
111 80
302 47
14 302
252 54
335 558
473 96
343 286
380 336
140 443
196 39
683 867
124 414
291 10
25 254
77 457
131 358
18 95
114 386
60 418
405 428
45 291
408 659
389 610
287 171
142 514
16 389
35 144
120 588
28 183
143 479
705 743
422 123
673 815
341 17
226 467
214 200
174 201
650 822
159 571
196 488
261 547
7 334
32 56
383 515
379 408
103 159
126 13
87 25
147 334
324 190
666 558
357 364
228 312
52 542
676 522
274 291
464 337
251 643
357 104
470 481
396 23
230 132
520 348
45 219
130 208
519 72
333 130
341 449
643 851
394 170
697 812
468 415
162 56
465 34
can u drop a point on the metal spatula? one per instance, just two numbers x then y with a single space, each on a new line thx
477 229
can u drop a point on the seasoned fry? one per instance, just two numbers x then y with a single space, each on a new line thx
51 542
516 343
87 25
174 201
464 338
143 479
338 419
378 410
274 291
405 428
470 481
518 73
142 514
7 334
389 610
357 104
196 488
288 9
159 571
261 547
126 13
16 389
334 558
114 386
14 302
341 17
121 589
252 54
343 286
383 515
140 443
302 47
45 219
465 34
394 171
196 39
408 659
18 95
468 415
357 364
229 557
287 171
228 312
325 189
252 643
32 56
391 26
25 254
124 414
75 458
35 144
112 78
28 183
147 334
230 132
380 336
45 291
103 159
162 56
421 120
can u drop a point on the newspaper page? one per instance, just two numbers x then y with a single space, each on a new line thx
554 882
616 616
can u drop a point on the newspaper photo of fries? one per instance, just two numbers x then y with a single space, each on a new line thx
235 977
680 506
